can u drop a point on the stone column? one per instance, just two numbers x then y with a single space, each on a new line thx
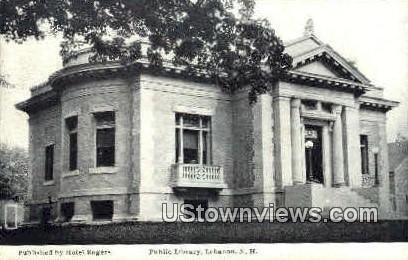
295 129
338 157
327 172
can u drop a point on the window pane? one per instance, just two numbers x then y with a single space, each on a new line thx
177 144
105 147
105 118
205 147
191 120
49 162
205 121
364 154
190 143
73 151
178 118
71 123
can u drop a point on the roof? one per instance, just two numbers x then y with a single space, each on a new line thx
397 153
309 48
314 63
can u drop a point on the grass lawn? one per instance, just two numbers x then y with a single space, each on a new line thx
169 233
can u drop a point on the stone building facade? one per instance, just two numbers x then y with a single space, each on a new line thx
109 142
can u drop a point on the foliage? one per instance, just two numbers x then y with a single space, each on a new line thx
200 35
13 172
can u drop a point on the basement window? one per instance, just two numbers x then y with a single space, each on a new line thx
195 204
105 139
67 211
45 215
102 209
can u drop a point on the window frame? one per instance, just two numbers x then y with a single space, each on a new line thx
365 158
104 126
70 132
201 129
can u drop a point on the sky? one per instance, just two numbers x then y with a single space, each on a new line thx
373 33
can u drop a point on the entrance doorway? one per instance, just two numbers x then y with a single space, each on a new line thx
313 153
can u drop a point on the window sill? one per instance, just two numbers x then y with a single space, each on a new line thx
103 170
71 173
49 183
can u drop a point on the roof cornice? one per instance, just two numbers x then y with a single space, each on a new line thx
323 81
379 104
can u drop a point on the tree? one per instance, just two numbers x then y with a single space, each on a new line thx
200 35
13 173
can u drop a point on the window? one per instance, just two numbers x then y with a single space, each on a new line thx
49 162
392 191
67 211
364 154
105 139
192 139
72 127
195 204
102 210
45 215
309 104
327 107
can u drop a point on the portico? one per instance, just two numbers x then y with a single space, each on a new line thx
316 133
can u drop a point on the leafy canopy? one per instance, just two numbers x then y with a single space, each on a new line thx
200 35
13 172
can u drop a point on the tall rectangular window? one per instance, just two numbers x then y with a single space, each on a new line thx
105 139
49 163
364 154
72 128
392 191
192 138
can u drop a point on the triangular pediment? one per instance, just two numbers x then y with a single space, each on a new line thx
312 56
318 67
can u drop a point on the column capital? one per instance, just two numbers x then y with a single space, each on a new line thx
295 102
337 108
283 98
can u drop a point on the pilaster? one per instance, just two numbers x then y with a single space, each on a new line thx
283 144
352 146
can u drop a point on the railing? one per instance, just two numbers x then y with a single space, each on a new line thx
198 176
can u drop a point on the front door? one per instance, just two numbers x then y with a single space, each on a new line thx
313 153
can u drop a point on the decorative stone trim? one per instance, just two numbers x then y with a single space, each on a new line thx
70 173
114 191
194 110
325 82
318 115
49 183
102 108
103 170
